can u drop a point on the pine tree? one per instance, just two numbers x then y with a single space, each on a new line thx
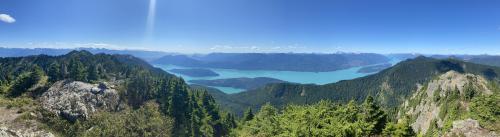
266 120
93 73
372 114
78 71
54 72
248 115
403 129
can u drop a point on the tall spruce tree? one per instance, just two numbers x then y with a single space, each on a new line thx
373 115
248 115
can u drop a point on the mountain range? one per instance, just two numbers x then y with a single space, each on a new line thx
435 94
86 94
390 86
20 52
274 61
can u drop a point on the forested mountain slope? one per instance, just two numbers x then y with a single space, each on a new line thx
81 94
418 97
390 87
491 60
486 60
275 61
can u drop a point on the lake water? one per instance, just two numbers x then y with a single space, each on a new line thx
290 76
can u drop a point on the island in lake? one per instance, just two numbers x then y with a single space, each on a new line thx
241 83
195 72
375 68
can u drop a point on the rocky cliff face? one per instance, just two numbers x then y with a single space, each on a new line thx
435 105
74 99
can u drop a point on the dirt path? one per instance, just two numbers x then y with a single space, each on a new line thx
10 127
7 116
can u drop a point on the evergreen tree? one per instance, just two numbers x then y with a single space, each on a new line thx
228 122
373 115
403 129
320 119
266 121
78 71
54 72
93 73
177 109
248 115
27 80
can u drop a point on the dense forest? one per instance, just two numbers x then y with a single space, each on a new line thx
151 101
322 119
412 93
374 68
390 87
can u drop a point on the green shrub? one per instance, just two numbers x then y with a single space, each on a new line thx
486 109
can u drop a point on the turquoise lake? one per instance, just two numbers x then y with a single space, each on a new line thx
291 76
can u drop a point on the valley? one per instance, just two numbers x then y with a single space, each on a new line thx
249 68
421 96
318 78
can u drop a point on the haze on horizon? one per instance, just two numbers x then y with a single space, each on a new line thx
197 26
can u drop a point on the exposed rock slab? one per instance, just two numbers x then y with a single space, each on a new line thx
428 110
469 128
7 132
74 99
10 127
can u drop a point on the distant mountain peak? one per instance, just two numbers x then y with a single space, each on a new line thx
79 53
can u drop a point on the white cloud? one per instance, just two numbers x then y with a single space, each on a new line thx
7 18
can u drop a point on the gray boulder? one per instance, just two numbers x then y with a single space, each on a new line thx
74 99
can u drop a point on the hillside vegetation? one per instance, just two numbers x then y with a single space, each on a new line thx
82 94
322 119
434 97
390 87
148 102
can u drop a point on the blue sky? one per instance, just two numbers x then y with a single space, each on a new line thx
200 26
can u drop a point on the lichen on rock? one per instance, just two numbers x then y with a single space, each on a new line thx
469 128
74 99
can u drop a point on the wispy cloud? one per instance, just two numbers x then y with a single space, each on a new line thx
7 18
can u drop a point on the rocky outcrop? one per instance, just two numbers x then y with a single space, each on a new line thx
11 125
423 105
74 99
469 128
7 132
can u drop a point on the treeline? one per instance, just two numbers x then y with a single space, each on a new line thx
154 103
323 119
